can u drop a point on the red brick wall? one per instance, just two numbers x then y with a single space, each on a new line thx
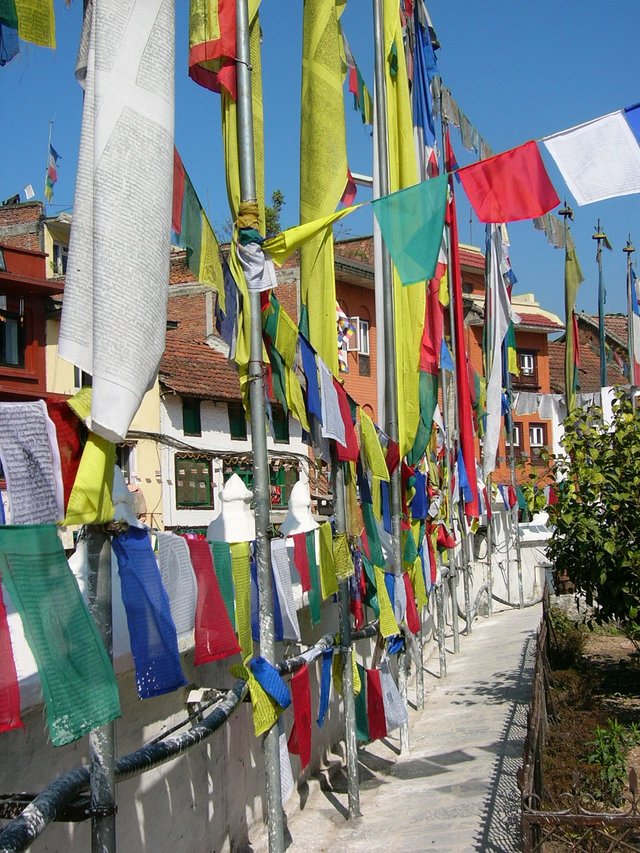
360 301
28 214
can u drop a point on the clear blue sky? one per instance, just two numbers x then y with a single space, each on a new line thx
519 70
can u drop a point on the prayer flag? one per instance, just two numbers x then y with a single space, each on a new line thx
510 186
119 249
9 689
300 737
411 221
572 279
424 69
600 158
52 172
9 44
36 22
285 243
635 324
375 706
212 44
78 683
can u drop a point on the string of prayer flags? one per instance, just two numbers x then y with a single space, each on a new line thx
31 462
388 624
192 230
510 186
325 686
283 590
90 501
301 560
241 571
412 617
78 683
601 158
349 450
411 221
572 280
300 737
395 710
286 242
212 45
36 21
362 100
154 644
214 635
69 441
222 565
328 580
375 706
9 689
178 579
265 709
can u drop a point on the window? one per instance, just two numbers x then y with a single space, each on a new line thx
12 331
517 437
124 460
537 442
353 341
193 482
527 364
280 425
81 379
191 416
363 336
237 421
60 254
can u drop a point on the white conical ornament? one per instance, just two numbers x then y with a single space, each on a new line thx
236 522
299 518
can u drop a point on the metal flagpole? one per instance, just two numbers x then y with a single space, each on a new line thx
629 249
601 238
346 650
101 740
514 520
261 491
391 390
488 325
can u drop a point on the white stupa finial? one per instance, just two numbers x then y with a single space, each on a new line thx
299 518
236 522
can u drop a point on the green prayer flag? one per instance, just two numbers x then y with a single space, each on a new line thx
8 14
315 595
362 720
428 400
191 235
78 682
221 554
373 537
411 221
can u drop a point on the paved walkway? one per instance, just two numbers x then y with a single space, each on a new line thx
456 791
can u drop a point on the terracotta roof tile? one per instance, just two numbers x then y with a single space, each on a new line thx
194 369
539 321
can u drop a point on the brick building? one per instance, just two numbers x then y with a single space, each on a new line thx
589 341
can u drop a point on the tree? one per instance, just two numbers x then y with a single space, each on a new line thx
272 213
596 539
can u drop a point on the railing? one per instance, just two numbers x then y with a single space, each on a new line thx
575 822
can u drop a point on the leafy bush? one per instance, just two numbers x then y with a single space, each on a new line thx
596 540
566 640
609 753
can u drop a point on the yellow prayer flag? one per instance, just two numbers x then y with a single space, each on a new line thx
241 570
355 519
342 557
81 403
265 709
337 674
417 581
328 580
372 448
36 22
295 399
286 337
90 500
285 243
210 266
388 624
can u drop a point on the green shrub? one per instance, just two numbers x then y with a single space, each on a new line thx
566 640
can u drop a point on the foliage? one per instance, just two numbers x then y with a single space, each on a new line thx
609 753
272 213
566 640
596 539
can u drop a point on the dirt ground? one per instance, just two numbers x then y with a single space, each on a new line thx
603 685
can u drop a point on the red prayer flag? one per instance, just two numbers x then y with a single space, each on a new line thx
412 617
465 414
300 738
212 56
301 560
9 690
68 435
349 452
393 456
214 635
510 186
375 706
178 193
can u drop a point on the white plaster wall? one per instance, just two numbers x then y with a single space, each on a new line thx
215 438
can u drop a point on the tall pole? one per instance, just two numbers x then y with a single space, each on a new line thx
632 299
388 288
346 650
600 237
102 739
261 491
514 518
488 332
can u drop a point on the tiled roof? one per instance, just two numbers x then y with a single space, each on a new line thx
471 257
539 321
193 369
614 324
589 369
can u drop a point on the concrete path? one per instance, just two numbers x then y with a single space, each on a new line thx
456 790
